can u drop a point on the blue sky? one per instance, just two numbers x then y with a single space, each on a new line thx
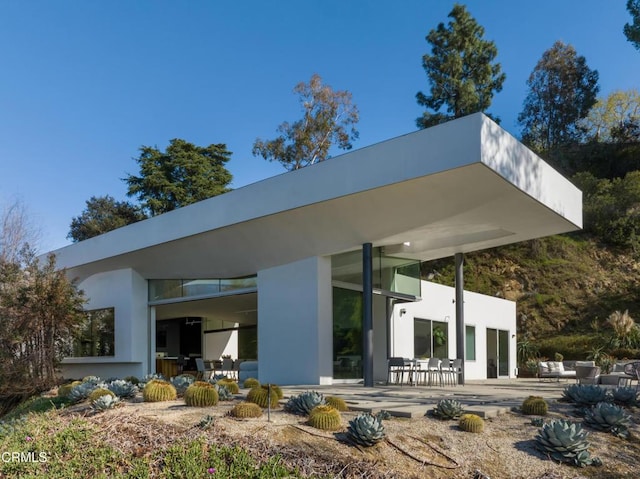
84 84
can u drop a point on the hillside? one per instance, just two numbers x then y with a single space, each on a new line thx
565 284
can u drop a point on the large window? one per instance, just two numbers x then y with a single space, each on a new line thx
96 335
347 334
470 343
430 339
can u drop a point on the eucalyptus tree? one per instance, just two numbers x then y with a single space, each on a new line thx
328 118
461 70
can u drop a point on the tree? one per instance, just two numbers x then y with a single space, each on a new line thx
562 90
632 31
40 311
101 215
614 118
328 118
461 70
16 231
183 174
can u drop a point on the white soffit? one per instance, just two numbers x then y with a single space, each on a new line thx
458 187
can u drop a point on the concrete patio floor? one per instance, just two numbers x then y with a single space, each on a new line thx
487 398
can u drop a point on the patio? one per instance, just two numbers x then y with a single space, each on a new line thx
487 398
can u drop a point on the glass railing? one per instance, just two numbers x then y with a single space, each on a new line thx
160 289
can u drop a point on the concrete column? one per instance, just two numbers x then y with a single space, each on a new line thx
295 328
460 334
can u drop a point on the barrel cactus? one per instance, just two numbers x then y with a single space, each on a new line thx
325 417
365 430
230 384
609 418
99 392
65 389
250 383
448 409
182 382
246 409
564 441
81 391
158 390
262 397
122 388
276 388
584 394
471 423
201 394
302 404
535 405
105 402
337 403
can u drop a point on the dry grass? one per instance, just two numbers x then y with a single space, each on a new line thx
415 448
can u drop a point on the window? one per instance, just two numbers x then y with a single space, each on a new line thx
96 335
470 343
430 339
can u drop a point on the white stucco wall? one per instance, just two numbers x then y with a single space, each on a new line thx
126 292
295 331
438 304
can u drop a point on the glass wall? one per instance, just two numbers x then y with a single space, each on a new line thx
430 339
160 289
347 334
470 343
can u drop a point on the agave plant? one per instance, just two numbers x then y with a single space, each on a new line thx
81 391
585 394
223 393
624 396
448 409
105 402
182 382
565 441
123 389
302 404
609 418
365 430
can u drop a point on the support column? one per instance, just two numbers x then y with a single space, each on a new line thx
367 313
460 333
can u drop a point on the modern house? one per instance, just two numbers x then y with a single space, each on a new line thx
315 273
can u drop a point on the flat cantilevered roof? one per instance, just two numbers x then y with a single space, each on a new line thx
462 186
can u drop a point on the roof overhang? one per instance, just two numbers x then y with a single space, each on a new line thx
462 186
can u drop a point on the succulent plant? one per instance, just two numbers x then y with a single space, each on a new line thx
471 423
159 390
223 392
325 417
609 418
105 402
564 441
535 405
206 422
92 379
625 396
303 403
99 392
132 380
150 377
537 421
81 391
276 388
336 402
122 388
65 389
250 383
584 394
182 382
246 409
365 430
230 384
201 394
448 409
262 397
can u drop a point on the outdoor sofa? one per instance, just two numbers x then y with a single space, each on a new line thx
554 370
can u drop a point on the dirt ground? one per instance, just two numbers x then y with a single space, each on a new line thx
422 447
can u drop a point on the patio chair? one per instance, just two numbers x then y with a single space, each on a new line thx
633 370
587 374
451 371
181 362
433 368
396 368
202 373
